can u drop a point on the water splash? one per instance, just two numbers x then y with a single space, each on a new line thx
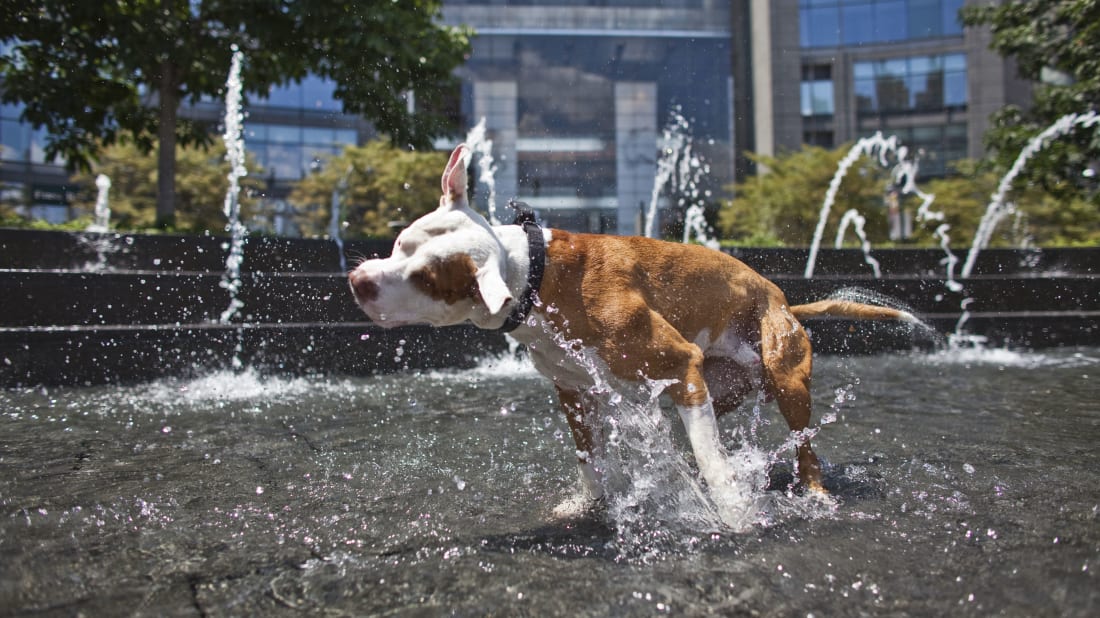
652 491
998 207
977 354
231 386
102 212
482 149
681 171
234 153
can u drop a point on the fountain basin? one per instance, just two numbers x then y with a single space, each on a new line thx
88 308
964 486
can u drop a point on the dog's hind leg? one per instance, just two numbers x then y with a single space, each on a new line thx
788 364
641 341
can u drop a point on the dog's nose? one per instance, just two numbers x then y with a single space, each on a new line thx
364 288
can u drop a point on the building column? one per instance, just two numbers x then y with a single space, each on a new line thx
635 151
496 102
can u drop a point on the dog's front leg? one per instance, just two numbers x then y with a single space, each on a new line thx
579 413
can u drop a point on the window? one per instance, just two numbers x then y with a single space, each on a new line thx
858 24
820 26
911 84
289 152
817 91
925 19
829 23
313 93
820 138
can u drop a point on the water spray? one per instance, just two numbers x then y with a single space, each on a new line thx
234 153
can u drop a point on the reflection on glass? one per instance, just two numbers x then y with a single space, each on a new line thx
828 23
817 98
820 27
912 84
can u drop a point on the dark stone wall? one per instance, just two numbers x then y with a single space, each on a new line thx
89 308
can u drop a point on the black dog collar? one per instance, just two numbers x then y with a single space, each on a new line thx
536 250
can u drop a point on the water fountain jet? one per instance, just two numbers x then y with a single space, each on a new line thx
680 169
102 212
335 225
235 155
998 207
481 147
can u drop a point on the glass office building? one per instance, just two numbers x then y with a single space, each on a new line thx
904 67
576 96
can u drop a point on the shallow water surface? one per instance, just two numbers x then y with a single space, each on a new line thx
963 483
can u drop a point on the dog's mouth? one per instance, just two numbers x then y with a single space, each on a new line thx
387 321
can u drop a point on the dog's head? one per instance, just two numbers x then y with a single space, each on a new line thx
446 268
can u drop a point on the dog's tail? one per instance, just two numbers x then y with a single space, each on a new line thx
848 309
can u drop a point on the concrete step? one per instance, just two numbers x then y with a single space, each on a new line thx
29 249
117 354
58 298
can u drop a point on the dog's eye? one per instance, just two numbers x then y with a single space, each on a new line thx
404 246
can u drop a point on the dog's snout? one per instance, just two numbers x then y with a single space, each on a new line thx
363 286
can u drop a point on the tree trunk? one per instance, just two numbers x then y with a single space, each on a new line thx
166 154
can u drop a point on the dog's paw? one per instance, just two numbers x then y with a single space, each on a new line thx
575 507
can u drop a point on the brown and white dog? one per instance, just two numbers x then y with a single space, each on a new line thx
649 309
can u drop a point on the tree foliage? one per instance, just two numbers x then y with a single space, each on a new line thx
201 184
377 184
97 72
1055 43
782 205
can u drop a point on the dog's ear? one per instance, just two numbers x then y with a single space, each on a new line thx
494 292
454 179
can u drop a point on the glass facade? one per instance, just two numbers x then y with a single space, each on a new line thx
919 92
660 4
289 152
912 84
18 140
570 96
836 23
313 93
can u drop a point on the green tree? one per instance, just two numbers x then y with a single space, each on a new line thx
1056 43
782 205
381 184
1040 218
97 72
201 183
